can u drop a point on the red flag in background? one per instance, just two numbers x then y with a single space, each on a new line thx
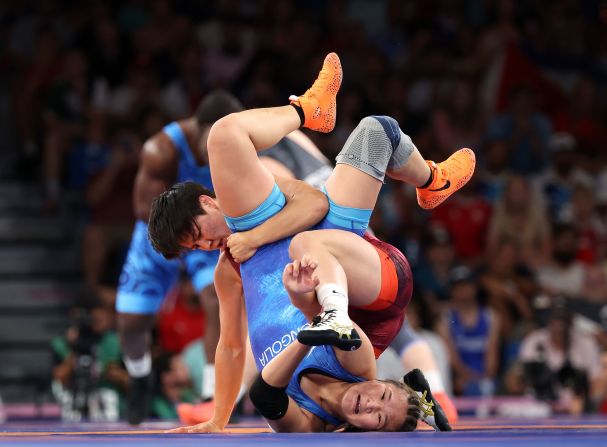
517 69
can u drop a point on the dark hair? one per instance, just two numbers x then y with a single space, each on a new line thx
173 217
562 313
216 105
412 414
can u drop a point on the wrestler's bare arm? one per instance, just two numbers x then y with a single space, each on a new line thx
278 374
157 169
231 349
306 206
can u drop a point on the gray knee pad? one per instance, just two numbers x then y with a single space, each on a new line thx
377 144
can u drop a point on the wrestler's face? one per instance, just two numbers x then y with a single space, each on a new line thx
375 405
212 228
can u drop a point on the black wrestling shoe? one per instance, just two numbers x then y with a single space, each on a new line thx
432 413
331 328
138 399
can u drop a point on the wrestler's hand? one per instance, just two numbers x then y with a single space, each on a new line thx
241 246
298 276
205 427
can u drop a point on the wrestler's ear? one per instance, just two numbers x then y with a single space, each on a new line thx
207 202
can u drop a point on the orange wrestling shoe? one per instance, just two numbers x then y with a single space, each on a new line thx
448 176
192 414
319 101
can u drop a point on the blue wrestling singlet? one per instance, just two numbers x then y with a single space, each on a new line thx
471 341
320 360
146 275
273 320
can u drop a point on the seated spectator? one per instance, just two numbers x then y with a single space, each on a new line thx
32 87
555 186
582 214
457 121
108 232
181 319
563 275
471 332
431 277
493 174
514 381
466 218
518 217
582 118
510 287
88 378
561 363
526 129
65 114
174 385
595 284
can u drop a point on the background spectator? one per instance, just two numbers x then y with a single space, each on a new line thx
562 363
466 218
563 274
510 288
471 331
519 217
432 274
88 377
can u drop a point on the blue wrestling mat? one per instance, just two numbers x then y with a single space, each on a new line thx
588 432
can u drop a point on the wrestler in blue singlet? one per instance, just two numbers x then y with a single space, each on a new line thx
273 320
147 276
320 360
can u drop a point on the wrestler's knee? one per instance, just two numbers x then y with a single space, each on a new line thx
301 243
367 122
222 133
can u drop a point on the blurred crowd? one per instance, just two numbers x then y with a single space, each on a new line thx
511 272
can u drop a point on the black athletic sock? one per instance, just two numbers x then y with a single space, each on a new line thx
429 182
300 112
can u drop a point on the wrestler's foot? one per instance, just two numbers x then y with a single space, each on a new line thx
192 414
447 405
138 398
448 176
432 412
331 328
319 101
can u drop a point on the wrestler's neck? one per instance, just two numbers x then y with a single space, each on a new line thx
227 229
329 392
